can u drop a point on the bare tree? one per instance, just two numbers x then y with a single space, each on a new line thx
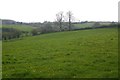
59 19
70 16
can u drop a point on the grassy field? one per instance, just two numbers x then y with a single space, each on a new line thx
86 25
19 27
75 54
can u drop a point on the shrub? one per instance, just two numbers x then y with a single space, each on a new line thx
10 33
34 32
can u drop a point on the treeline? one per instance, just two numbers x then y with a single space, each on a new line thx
10 33
48 27
59 25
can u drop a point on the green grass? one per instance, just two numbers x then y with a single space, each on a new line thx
19 27
75 54
86 25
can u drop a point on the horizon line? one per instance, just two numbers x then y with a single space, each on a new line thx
55 21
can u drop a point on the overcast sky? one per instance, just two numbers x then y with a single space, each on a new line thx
45 10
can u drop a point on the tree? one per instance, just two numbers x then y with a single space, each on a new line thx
70 16
34 32
59 18
46 27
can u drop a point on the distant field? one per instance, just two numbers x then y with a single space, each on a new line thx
86 25
74 54
19 27
106 23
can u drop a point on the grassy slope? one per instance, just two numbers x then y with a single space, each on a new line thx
19 27
83 54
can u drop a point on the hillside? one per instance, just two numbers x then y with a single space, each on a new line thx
19 27
72 54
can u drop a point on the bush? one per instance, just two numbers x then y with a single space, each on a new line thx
34 32
10 33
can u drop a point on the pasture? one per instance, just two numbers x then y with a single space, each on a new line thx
19 27
71 54
89 24
84 25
